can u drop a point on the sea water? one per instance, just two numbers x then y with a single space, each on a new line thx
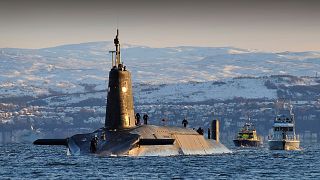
26 161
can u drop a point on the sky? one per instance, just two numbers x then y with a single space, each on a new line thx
274 25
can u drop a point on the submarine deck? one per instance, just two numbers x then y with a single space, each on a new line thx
146 140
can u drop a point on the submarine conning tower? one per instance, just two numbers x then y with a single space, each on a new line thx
120 109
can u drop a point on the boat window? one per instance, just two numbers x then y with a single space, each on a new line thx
284 129
290 128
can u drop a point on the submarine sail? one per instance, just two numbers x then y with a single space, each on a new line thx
120 109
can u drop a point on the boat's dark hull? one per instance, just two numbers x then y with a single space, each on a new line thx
246 143
284 144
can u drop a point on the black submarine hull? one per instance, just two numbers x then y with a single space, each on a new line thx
58 142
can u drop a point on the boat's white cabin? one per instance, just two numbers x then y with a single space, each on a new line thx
284 127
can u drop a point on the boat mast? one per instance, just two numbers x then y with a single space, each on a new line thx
293 119
117 44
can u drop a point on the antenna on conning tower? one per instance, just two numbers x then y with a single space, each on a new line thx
117 44
112 55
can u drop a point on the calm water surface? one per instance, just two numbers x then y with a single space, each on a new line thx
25 161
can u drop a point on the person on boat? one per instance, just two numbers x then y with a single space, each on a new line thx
145 119
94 144
185 122
138 119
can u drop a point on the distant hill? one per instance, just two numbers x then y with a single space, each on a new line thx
73 68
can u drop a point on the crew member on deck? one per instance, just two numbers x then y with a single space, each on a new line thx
138 119
184 122
94 144
145 119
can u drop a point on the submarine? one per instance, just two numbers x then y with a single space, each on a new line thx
123 136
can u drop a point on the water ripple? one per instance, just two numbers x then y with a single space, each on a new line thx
25 161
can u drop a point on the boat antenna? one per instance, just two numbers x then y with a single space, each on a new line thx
248 115
291 108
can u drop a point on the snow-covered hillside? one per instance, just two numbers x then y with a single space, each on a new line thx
84 67
196 92
266 88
